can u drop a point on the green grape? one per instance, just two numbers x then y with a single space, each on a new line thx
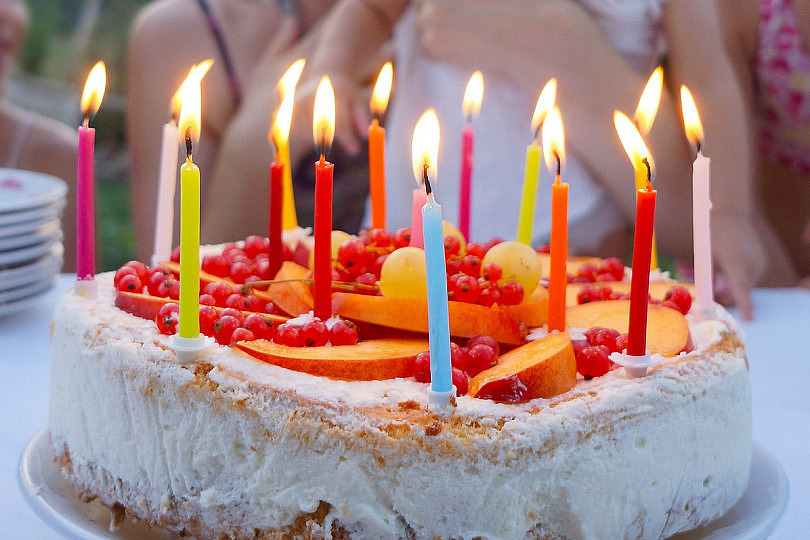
519 262
403 274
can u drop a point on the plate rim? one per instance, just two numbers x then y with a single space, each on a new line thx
58 189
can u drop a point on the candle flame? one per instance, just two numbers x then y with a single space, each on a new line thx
649 101
323 124
553 139
544 104
190 108
691 119
286 85
280 130
473 95
382 90
94 89
196 71
631 140
425 146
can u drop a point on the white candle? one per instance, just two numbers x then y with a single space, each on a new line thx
701 231
164 217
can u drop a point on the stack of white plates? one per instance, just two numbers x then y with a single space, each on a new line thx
31 205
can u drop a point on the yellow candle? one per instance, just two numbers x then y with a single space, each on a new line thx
526 217
189 323
532 170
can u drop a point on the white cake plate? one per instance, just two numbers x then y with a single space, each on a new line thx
754 516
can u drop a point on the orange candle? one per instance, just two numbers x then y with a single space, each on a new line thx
376 146
554 152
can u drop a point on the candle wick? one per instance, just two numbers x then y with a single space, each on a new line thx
188 143
426 180
537 131
649 173
323 146
699 146
86 121
557 157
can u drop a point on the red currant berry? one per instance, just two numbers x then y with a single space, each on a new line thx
579 345
453 266
263 269
681 297
492 272
169 288
544 248
380 238
240 271
606 337
141 269
489 341
591 332
255 245
224 328
220 291
508 390
621 343
314 333
492 242
252 303
378 264
353 257
216 265
604 276
261 327
593 361
241 334
402 238
235 313
343 333
236 301
471 265
233 253
604 293
614 266
207 300
457 357
208 316
123 271
451 246
587 295
289 335
476 249
167 318
588 271
489 296
480 357
421 367
369 280
175 256
466 289
130 283
461 381
511 293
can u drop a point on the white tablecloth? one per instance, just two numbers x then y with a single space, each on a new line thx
779 356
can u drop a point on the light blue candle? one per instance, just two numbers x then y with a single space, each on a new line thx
441 378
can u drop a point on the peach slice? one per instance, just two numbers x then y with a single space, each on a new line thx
466 320
369 360
572 264
667 331
658 289
533 311
147 306
547 367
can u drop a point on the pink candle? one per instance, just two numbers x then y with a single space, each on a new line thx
323 130
85 220
276 247
419 200
467 138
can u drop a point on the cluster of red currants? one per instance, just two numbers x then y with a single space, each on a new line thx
360 261
136 277
245 264
678 297
316 333
478 353
592 354
226 326
611 269
468 281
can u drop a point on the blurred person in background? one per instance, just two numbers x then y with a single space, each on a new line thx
31 141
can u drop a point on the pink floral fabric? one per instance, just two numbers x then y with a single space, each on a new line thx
782 67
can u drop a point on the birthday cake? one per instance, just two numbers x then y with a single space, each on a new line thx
266 438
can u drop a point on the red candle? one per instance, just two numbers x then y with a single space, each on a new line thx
467 138
473 95
640 282
85 204
323 132
275 248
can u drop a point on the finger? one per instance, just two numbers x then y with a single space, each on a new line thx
740 285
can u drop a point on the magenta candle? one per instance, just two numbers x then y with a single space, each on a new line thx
85 205
465 180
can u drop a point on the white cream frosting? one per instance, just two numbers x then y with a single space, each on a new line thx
614 457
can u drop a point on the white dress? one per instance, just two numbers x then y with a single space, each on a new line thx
502 133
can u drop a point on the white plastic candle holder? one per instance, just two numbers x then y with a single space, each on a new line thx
441 403
636 366
87 288
188 349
